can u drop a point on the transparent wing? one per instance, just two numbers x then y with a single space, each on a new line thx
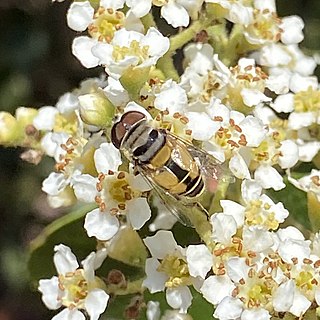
170 202
210 167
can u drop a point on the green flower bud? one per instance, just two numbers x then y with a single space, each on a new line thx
9 129
313 211
96 109
134 79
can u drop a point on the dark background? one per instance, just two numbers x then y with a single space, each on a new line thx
36 67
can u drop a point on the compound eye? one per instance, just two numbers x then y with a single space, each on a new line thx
120 128
131 117
117 133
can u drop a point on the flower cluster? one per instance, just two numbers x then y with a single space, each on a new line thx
246 99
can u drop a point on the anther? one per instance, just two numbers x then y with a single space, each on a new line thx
99 186
122 206
217 118
121 175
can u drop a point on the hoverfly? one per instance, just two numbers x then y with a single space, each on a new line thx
177 171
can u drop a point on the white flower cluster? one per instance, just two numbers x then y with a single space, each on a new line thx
246 266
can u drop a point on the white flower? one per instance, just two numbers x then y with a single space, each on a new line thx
259 208
288 298
236 12
308 183
168 269
126 49
285 62
175 12
74 286
118 195
265 26
273 151
171 97
235 132
51 144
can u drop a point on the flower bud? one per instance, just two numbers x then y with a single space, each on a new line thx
313 211
9 129
96 109
134 79
25 116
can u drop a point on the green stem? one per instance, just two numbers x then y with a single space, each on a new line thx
132 287
180 39
148 21
166 65
177 41
202 225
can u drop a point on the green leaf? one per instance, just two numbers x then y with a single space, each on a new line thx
200 308
67 230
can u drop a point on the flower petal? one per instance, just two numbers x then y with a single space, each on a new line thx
155 280
80 15
269 177
96 303
81 48
107 157
139 212
50 292
179 298
216 288
229 308
168 244
73 314
101 225
199 260
64 260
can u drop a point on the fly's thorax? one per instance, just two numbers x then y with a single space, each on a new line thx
142 143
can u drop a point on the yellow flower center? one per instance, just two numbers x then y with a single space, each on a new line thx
120 189
119 53
177 270
67 124
115 188
267 151
255 290
107 22
307 101
304 280
266 25
258 213
249 77
211 85
75 288
229 137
